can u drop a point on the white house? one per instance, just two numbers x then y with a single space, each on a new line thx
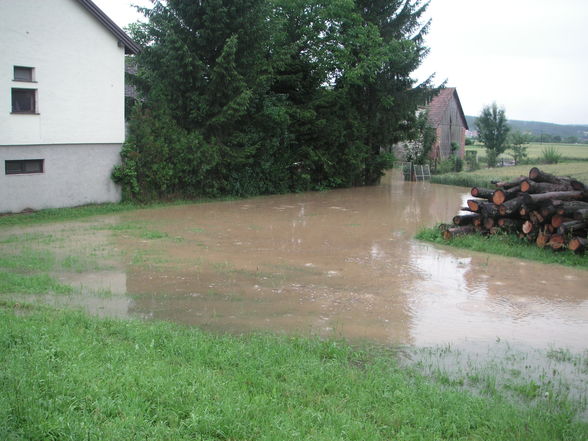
61 103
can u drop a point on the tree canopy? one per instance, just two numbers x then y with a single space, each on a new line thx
493 132
260 96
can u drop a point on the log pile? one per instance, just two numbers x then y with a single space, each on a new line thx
551 211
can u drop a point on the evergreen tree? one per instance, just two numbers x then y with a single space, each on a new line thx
275 95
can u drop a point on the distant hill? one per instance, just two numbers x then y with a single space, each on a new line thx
542 128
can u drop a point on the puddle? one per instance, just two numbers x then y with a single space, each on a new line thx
341 263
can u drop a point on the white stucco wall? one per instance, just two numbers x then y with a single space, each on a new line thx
79 73
73 175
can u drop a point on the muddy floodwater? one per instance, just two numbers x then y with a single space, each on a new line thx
341 263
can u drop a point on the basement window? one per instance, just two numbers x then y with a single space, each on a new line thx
24 166
22 73
24 101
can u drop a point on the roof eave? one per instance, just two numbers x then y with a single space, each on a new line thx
130 46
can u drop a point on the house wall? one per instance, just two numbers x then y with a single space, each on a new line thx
78 127
74 174
79 73
451 130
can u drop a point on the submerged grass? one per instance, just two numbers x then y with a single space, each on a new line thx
504 245
65 375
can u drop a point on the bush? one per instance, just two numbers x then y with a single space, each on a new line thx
551 155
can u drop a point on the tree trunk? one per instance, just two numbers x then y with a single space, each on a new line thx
511 207
572 227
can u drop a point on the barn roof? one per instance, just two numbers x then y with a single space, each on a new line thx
438 106
130 46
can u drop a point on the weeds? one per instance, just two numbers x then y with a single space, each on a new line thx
551 155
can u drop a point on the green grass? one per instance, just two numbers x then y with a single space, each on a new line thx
535 151
67 376
73 213
16 283
482 177
504 245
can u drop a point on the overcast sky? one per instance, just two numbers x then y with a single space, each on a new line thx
529 56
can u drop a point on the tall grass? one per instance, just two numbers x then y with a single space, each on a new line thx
66 376
551 155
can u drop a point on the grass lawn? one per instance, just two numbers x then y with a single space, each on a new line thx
68 376
482 177
535 150
505 245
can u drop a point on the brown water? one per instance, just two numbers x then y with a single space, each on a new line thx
341 263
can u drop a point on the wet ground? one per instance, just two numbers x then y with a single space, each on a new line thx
341 263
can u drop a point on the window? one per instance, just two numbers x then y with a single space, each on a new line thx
23 73
24 166
24 100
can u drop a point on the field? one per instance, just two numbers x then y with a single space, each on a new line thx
482 177
535 151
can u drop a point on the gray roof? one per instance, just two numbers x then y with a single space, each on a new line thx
130 46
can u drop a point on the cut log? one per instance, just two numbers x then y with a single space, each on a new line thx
569 208
488 209
581 214
458 231
512 207
548 210
542 239
510 224
465 219
474 204
556 242
536 217
540 176
528 227
500 196
479 192
488 223
558 219
572 227
533 187
561 195
509 184
578 245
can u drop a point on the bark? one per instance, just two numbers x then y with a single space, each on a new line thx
539 176
510 224
458 231
581 214
511 207
509 184
561 195
465 219
572 227
571 207
533 187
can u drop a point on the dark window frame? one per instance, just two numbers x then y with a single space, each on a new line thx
29 79
32 96
10 169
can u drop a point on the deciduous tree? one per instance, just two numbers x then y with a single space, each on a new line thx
493 131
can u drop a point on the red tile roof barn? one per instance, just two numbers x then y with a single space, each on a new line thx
438 106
